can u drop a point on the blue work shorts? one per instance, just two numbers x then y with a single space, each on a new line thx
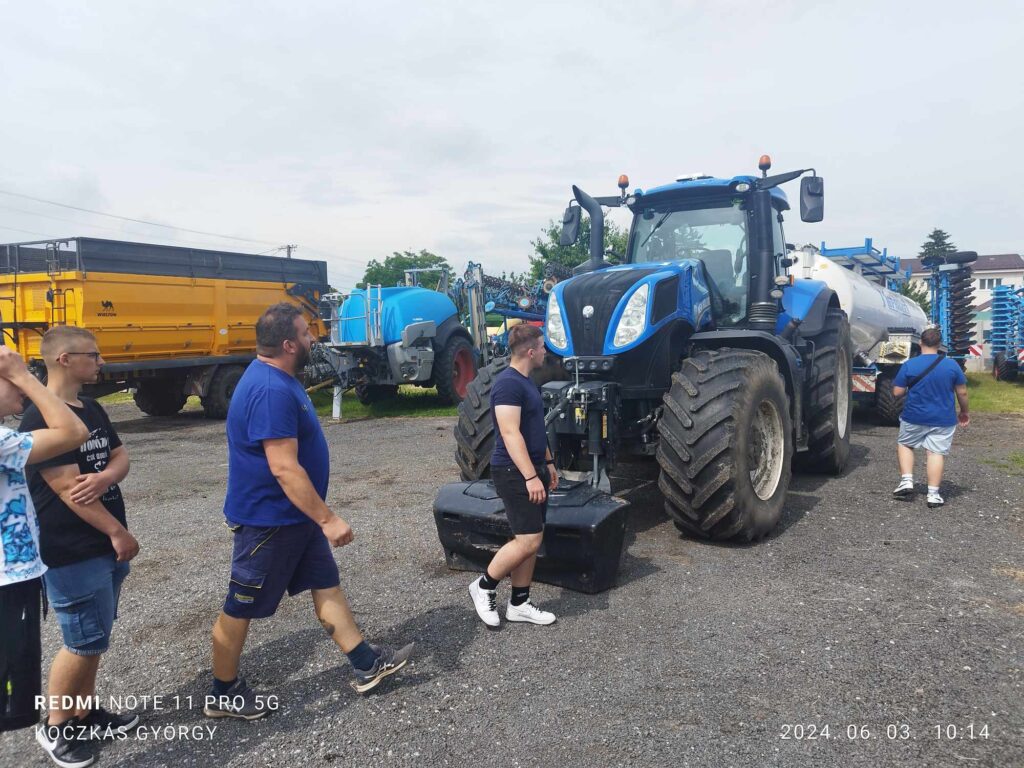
84 596
268 561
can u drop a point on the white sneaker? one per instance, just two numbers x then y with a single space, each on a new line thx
935 501
529 612
905 488
484 602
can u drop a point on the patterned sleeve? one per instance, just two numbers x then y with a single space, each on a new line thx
14 448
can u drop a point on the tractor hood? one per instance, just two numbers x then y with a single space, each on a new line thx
633 300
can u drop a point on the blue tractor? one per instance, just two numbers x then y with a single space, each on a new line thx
700 350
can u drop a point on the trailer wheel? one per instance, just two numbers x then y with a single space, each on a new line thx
474 431
888 406
1004 367
222 387
454 369
726 445
160 397
829 399
368 394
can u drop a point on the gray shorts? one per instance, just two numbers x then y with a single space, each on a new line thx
932 439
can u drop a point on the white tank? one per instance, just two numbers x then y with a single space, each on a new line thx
873 310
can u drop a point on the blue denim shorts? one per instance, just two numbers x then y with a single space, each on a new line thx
84 596
266 562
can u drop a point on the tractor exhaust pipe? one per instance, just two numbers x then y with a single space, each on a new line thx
593 208
762 309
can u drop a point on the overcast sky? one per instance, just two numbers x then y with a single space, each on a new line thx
357 129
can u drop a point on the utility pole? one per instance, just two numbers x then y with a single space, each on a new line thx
289 248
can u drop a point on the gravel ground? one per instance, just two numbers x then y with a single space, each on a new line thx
873 617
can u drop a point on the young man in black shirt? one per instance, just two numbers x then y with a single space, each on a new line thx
523 472
85 543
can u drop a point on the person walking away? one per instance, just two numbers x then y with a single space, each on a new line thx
278 469
86 546
931 382
523 472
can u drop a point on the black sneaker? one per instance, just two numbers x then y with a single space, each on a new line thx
65 743
239 701
110 724
388 662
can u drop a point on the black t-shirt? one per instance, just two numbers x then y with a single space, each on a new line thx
512 388
64 537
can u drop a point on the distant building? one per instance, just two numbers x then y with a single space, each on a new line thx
988 272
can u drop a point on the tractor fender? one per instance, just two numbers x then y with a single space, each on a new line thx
784 355
813 320
448 328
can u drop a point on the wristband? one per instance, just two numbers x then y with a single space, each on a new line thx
531 478
550 463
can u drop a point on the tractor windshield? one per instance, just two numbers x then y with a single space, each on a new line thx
717 236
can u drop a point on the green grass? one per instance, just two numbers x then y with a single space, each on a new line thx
410 401
990 396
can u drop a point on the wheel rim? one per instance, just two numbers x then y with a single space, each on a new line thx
842 387
767 445
462 372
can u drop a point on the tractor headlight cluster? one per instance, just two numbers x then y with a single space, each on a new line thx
556 328
634 318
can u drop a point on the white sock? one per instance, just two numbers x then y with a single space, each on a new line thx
906 478
933 490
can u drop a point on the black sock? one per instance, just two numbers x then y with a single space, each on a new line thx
362 656
220 687
486 582
520 595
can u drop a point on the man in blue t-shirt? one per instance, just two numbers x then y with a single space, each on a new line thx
523 472
278 468
929 417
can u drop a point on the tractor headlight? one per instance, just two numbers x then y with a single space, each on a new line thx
556 328
634 318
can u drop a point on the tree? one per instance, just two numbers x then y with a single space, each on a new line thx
919 293
391 271
937 244
547 250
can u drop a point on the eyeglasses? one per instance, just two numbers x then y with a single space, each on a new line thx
94 355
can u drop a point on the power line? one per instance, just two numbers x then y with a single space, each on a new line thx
88 225
25 231
138 221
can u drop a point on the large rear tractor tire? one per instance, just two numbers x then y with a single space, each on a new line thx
160 397
829 402
1004 367
726 445
474 431
888 406
222 387
454 369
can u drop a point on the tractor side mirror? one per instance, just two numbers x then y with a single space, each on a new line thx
812 199
571 225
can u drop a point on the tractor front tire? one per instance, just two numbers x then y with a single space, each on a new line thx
726 445
160 397
454 369
829 403
474 431
888 406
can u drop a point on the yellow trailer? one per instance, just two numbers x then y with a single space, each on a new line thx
170 322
